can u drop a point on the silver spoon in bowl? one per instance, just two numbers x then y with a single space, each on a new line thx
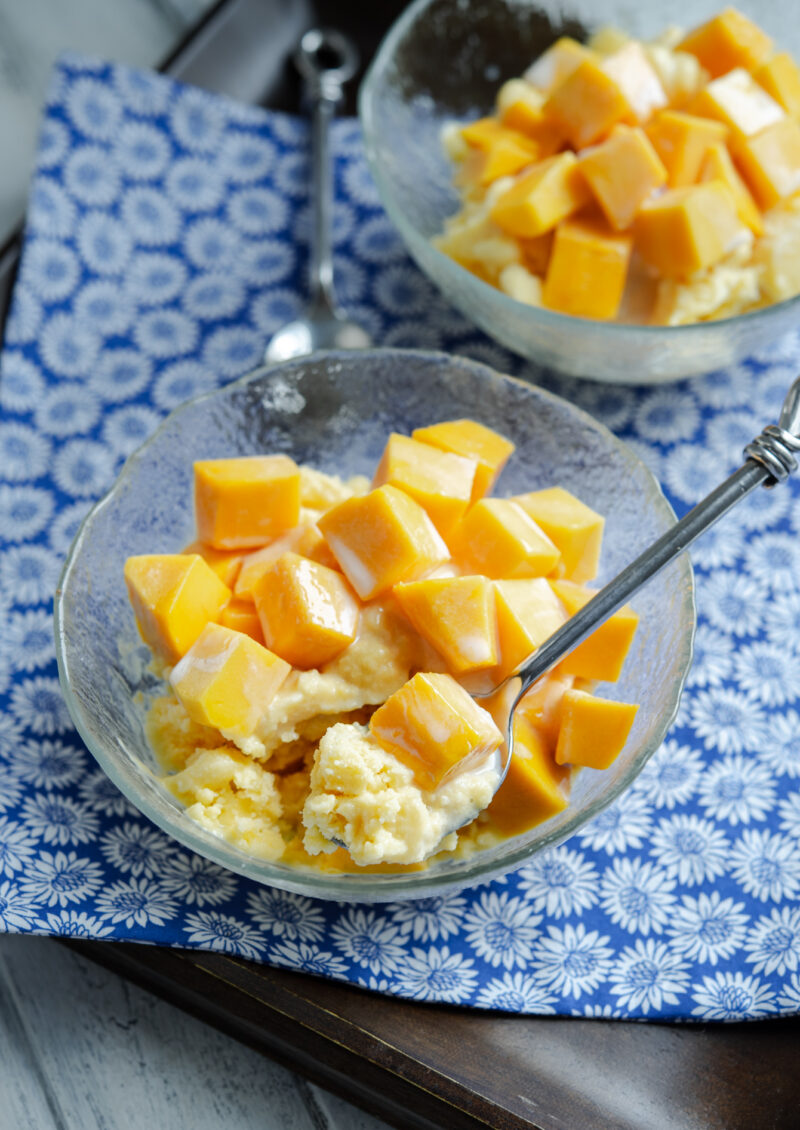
326 61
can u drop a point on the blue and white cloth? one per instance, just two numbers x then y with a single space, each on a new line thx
166 241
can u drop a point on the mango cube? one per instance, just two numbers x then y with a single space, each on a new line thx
573 527
308 613
602 655
246 501
488 448
498 539
381 538
543 704
226 679
173 596
435 728
519 106
737 100
726 41
456 616
535 788
780 77
241 616
681 141
622 172
718 165
557 63
226 563
504 150
687 229
528 612
770 162
593 730
636 77
587 270
439 481
587 104
541 197
304 539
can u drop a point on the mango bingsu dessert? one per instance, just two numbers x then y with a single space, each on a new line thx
641 182
334 654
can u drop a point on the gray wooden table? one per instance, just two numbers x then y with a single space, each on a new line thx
80 1048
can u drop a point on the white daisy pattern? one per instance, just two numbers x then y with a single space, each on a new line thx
166 241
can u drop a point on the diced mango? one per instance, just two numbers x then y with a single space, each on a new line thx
519 106
602 655
432 725
718 165
381 538
456 615
498 539
308 612
593 730
535 787
726 41
622 172
226 563
241 616
737 100
488 448
780 77
540 197
557 63
304 539
687 229
770 162
245 502
505 151
681 141
635 76
173 596
543 704
587 104
587 270
226 680
528 612
571 525
439 481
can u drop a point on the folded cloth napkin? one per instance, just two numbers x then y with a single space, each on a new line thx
166 240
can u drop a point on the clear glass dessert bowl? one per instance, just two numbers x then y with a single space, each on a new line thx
445 60
334 411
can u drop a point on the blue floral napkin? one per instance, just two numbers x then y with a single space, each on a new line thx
166 241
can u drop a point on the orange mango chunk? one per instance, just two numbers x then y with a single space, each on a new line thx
726 41
439 481
718 165
587 269
382 538
245 502
638 80
435 728
226 563
308 612
241 615
687 229
681 141
602 655
571 525
540 197
226 679
173 596
456 616
519 107
498 539
593 730
622 172
737 100
557 63
770 162
488 448
780 77
304 539
543 704
535 788
587 104
504 150
528 612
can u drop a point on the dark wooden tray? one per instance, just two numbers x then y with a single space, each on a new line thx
422 1067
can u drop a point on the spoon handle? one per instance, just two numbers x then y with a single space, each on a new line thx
770 460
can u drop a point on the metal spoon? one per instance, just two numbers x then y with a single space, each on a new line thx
326 60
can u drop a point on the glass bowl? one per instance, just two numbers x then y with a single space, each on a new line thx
445 59
334 411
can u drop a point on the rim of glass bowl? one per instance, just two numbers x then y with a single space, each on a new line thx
352 886
414 239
